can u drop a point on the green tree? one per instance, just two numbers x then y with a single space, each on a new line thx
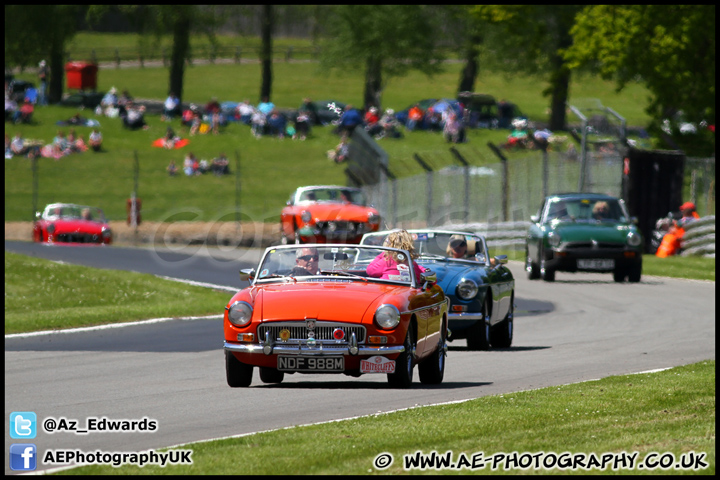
35 32
532 39
157 20
669 48
384 40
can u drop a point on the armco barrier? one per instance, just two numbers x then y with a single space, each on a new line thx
699 237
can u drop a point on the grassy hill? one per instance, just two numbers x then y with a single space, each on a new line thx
270 168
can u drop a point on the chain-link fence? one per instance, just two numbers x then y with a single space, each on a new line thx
499 192
699 185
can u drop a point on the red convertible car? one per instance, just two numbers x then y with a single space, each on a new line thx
70 223
318 309
324 214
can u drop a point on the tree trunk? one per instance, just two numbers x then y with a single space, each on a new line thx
472 68
267 25
560 79
559 93
373 83
181 47
57 73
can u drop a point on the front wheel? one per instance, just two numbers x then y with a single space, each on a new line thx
271 375
402 378
432 370
547 274
532 268
634 273
501 335
479 334
238 374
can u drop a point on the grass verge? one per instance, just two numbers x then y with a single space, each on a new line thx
42 295
668 412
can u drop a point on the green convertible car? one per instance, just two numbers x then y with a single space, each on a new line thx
587 232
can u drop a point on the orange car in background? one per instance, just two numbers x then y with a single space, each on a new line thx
335 318
330 213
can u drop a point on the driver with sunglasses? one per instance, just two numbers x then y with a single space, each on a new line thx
306 262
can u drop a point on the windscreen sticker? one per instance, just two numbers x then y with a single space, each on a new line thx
403 267
401 256
421 236
264 272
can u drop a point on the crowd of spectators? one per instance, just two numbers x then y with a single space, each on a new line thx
193 167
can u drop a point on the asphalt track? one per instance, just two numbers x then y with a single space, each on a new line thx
581 327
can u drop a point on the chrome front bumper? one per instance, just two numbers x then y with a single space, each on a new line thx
465 316
319 350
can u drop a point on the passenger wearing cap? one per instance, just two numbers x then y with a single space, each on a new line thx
459 248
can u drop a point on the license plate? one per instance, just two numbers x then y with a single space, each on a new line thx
293 363
596 263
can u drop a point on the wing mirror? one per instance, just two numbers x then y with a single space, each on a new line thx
427 278
534 218
501 260
247 274
38 215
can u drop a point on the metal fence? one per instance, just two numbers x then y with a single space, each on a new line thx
508 191
699 185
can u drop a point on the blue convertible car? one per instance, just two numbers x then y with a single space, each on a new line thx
481 289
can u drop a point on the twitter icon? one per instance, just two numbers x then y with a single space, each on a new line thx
23 425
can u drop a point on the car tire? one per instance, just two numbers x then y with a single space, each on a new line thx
501 335
619 275
238 374
432 370
634 273
402 378
547 274
478 336
532 268
271 375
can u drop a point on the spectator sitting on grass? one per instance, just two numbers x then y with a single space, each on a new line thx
302 124
172 168
110 99
95 140
220 165
258 124
277 124
170 139
245 111
415 116
340 154
135 118
349 120
24 113
389 124
17 146
190 164
171 107
372 125
266 106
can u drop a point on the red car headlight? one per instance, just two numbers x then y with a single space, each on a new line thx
306 216
51 228
240 313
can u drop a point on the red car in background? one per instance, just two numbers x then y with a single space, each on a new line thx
70 223
327 214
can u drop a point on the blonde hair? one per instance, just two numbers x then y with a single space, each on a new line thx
400 239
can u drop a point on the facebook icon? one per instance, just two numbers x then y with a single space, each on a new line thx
23 456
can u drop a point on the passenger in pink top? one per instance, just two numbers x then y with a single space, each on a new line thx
389 264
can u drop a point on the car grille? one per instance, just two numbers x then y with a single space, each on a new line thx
589 245
341 228
78 238
323 332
